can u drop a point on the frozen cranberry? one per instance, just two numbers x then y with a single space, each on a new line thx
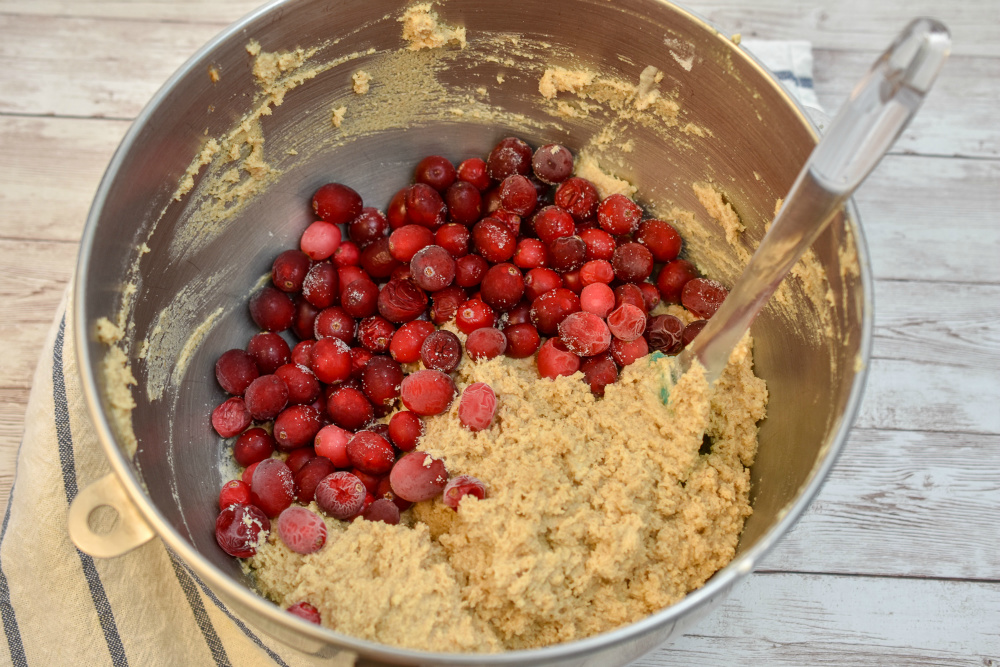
266 397
401 301
384 510
334 322
235 370
530 254
341 495
405 429
518 195
627 322
289 270
629 294
469 270
371 482
381 379
238 530
384 492
618 215
247 476
272 309
309 475
302 531
305 318
418 476
305 611
296 426
571 281
425 206
624 353
519 314
633 262
435 171
672 279
596 271
268 351
331 442
553 222
298 458
554 359
650 296
320 240
510 156
405 344
445 303
427 392
321 285
374 334
368 227
597 298
433 268
395 212
511 220
493 240
348 274
465 203
477 406
473 314
336 203
347 254
584 334
567 253
522 340
377 261
234 492
359 360
491 201
691 331
486 343
360 298
551 308
302 353
502 287
454 238
370 453
272 488
578 197
600 244
664 334
408 240
552 163
349 408
442 351
253 445
539 281
661 238
303 386
703 296
599 372
473 171
331 360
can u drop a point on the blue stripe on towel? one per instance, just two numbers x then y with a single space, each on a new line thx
16 647
66 458
200 615
800 81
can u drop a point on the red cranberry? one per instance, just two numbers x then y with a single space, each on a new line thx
486 343
301 530
341 495
266 397
395 212
473 171
518 195
519 314
418 476
302 353
405 429
691 331
334 322
522 340
433 268
371 483
596 271
597 298
445 303
600 244
494 241
577 196
567 253
435 171
289 270
477 406
336 203
454 238
502 287
298 458
584 334
305 318
377 261
359 360
552 163
309 475
469 270
272 488
234 492
465 203
331 443
552 223
272 309
235 370
238 529
629 294
370 453
381 380
473 314
599 372
405 344
672 279
491 201
661 238
247 476
303 385
320 240
360 298
664 334
321 285
349 408
348 274
427 392
624 353
510 156
703 296
571 281
650 296
347 254
331 360
368 227
424 206
512 220
530 254
296 427
305 611
268 351
401 301
554 359
252 446
539 281
441 351
374 334
633 262
384 510
551 308
408 240
618 215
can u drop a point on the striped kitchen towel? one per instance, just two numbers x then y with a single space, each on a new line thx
60 606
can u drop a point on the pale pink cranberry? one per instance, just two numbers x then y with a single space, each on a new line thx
320 240
341 495
231 417
239 528
597 298
627 322
477 406
585 334
305 611
460 487
554 360
331 442
302 531
418 476
427 392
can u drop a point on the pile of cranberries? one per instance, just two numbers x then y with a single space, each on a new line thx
514 249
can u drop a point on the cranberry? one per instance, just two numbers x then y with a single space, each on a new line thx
465 203
384 510
238 530
370 453
477 406
469 270
395 212
630 294
341 495
374 334
511 220
296 426
272 309
627 322
454 238
597 298
519 314
578 197
571 281
368 227
424 206
272 488
360 298
405 429
552 163
309 475
335 322
510 156
348 274
418 476
445 303
553 222
530 254
518 195
268 351
539 281
381 379
405 344
253 445
302 353
624 353
433 268
584 334
491 201
427 392
597 271
331 442
522 340
359 359
303 386
473 171
554 359
435 171
633 262
247 476
664 334
494 241
235 370
289 270
567 253
305 318
301 530
266 397
486 343
377 260
661 238
502 287
442 351
234 492
337 203
349 408
551 308
305 611
401 301
691 331
473 314
320 240
331 360
672 279
600 244
408 240
599 372
321 285
371 482
618 215
703 296
347 254
650 296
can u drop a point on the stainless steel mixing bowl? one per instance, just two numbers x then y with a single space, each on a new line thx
754 138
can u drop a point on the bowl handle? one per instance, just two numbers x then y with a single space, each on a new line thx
129 532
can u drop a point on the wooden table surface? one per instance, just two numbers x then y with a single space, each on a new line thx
898 559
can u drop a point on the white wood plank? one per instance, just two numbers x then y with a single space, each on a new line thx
793 619
174 11
903 503
13 401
